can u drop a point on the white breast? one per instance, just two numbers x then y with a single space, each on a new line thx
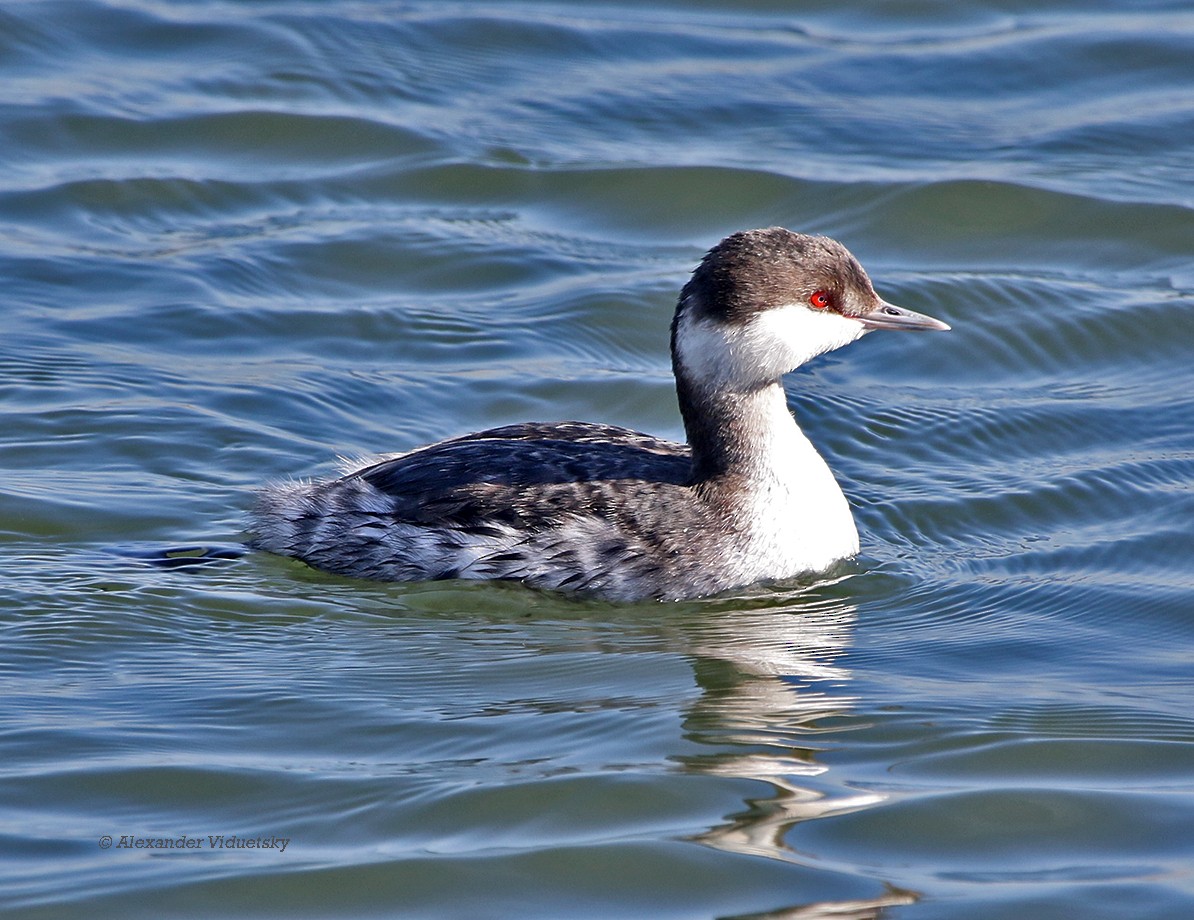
794 512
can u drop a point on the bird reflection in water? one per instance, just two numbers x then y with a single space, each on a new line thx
772 683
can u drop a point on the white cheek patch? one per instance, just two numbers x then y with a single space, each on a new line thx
770 345
706 352
789 336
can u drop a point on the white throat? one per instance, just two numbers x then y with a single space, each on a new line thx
790 510
792 506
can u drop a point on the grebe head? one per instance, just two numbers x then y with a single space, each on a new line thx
763 302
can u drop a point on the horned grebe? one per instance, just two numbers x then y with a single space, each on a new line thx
608 511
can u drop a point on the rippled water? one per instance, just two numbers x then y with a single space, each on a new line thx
238 239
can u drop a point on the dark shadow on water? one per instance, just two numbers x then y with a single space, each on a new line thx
181 557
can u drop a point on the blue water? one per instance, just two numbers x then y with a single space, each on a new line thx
238 239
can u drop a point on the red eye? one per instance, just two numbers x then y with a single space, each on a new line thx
821 300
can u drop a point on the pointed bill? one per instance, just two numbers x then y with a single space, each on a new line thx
889 316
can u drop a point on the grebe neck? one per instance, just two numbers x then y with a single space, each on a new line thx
742 434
